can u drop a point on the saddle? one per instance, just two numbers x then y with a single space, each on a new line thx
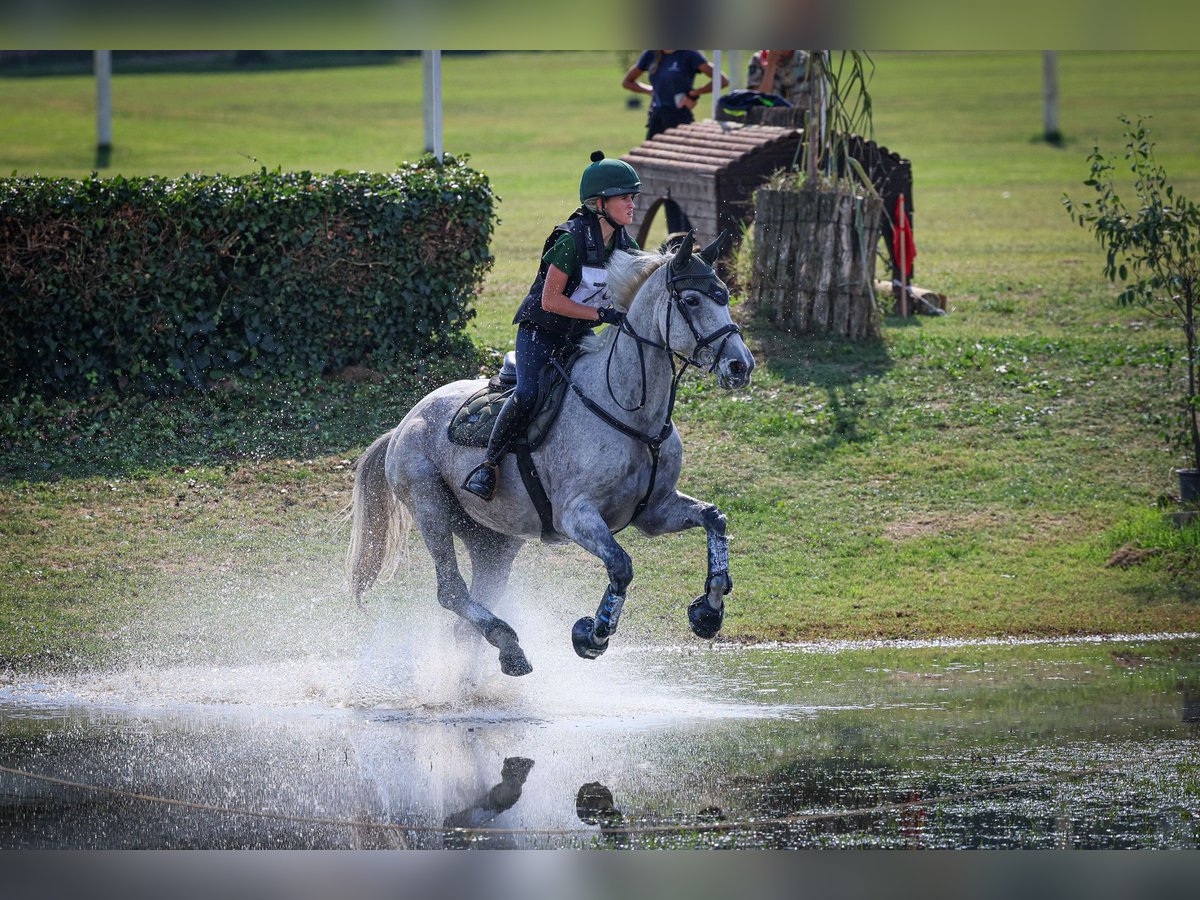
471 426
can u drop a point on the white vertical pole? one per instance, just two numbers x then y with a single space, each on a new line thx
1050 95
737 74
716 91
102 61
432 64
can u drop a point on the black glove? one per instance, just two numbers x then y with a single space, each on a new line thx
610 315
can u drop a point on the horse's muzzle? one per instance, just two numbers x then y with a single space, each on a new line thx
734 373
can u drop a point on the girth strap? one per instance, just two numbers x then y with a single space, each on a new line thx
537 493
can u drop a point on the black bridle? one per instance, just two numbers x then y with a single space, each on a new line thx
720 296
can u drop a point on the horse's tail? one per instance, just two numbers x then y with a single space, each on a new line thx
380 523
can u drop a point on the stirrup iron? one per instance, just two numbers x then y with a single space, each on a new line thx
483 480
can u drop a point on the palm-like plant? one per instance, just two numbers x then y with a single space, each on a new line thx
817 223
839 106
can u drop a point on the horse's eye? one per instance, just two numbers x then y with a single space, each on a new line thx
691 300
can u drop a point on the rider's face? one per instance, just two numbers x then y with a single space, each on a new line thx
620 208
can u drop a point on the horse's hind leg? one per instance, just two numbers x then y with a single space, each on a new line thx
434 511
491 564
492 556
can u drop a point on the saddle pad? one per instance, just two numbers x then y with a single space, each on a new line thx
472 424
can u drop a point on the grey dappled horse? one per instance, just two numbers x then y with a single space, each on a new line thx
612 459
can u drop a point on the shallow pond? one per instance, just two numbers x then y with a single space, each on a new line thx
1015 745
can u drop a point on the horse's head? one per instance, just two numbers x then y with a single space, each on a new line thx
695 319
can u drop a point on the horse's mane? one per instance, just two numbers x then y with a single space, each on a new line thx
627 272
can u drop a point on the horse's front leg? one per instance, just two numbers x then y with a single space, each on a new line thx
583 524
675 512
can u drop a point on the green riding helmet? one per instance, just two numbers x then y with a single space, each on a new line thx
608 178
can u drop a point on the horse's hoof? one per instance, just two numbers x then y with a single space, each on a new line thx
582 637
516 767
705 620
514 663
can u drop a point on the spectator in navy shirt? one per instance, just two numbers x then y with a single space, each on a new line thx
672 74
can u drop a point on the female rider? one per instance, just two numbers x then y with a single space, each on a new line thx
567 298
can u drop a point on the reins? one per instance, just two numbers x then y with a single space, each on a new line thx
702 342
654 442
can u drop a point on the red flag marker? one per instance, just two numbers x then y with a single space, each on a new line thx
904 251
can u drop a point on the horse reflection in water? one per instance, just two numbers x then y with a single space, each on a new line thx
460 826
613 459
472 826
594 806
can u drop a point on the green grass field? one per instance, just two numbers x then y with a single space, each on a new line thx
970 476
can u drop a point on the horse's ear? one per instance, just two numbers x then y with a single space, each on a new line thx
684 253
710 253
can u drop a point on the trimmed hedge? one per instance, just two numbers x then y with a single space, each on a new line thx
151 283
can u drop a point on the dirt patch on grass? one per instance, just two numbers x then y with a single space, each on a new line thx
950 524
1126 557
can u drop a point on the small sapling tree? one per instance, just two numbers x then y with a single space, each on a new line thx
1153 250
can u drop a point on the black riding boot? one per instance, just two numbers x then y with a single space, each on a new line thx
511 421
